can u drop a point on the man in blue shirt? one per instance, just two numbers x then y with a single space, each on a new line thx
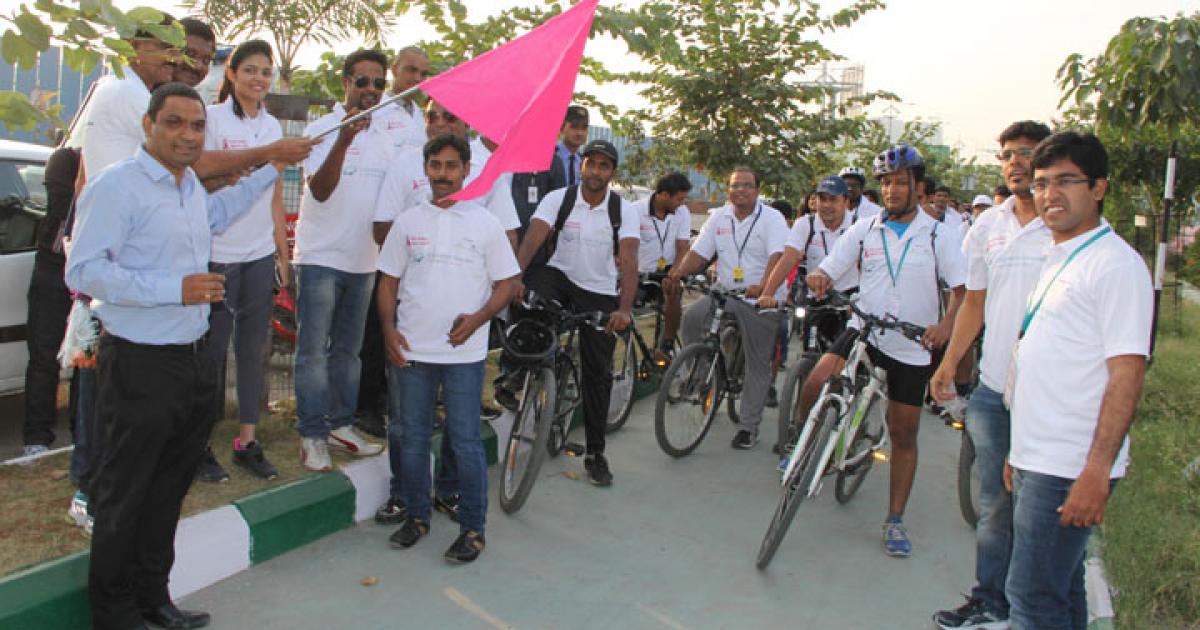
141 250
573 135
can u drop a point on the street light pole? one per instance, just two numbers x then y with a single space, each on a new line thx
1164 230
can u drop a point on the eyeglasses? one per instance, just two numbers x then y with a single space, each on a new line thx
1008 154
742 186
361 82
1062 181
433 116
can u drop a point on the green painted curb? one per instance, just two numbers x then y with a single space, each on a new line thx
47 596
489 442
291 516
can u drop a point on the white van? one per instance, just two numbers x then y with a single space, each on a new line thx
22 208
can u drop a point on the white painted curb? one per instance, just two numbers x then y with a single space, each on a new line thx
209 547
371 478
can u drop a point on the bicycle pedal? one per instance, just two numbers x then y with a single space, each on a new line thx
574 450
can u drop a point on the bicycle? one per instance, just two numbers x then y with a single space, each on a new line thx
627 369
703 375
807 318
543 343
833 440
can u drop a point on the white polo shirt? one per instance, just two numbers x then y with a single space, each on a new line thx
110 129
407 128
658 237
585 246
1005 259
1100 307
446 261
337 232
250 236
914 296
405 186
866 209
823 242
760 235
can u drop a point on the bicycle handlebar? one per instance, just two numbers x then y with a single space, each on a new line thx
566 318
887 322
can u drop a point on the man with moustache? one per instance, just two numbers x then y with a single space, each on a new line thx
1005 250
859 206
141 251
197 54
335 263
404 118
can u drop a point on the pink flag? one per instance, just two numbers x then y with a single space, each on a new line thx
517 94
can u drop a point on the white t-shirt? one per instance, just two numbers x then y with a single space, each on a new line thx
110 129
250 236
406 128
823 242
446 260
1099 308
759 236
585 246
914 297
405 186
658 237
1005 259
337 232
866 209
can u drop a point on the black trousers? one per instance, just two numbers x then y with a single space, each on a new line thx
595 347
372 383
154 405
46 322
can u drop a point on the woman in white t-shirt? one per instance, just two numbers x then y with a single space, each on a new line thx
246 251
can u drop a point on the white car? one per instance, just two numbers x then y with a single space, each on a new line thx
22 208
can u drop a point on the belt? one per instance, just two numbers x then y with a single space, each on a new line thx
193 347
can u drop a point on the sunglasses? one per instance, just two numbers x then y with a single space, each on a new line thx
361 82
446 116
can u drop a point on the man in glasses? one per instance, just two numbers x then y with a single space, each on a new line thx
904 256
404 118
1005 250
335 263
196 57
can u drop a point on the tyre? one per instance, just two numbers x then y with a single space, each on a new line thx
688 399
526 448
789 397
968 481
567 396
796 486
866 436
624 374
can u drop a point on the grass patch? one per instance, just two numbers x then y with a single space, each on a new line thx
1151 532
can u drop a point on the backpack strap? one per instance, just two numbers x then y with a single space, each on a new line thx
812 230
614 217
564 210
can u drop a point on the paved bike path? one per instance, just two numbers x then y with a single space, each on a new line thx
671 544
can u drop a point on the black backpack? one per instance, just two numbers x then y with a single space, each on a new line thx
564 211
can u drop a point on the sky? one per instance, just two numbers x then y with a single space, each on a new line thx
971 65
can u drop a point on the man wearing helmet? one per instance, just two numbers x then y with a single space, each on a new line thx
902 255
859 206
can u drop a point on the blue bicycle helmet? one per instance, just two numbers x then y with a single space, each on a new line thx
897 158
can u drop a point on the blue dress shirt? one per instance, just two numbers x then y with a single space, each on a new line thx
572 178
138 234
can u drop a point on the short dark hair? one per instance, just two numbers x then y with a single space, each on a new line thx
197 28
1001 190
1029 129
673 183
944 188
742 168
930 186
364 54
784 208
167 20
167 90
1082 149
439 143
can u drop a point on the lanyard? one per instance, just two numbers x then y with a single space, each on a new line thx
894 273
1030 312
662 240
733 233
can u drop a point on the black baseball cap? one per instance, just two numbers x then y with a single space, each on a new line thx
603 147
576 114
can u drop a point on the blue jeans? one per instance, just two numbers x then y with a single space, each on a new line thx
988 424
447 476
462 388
331 314
1045 576
85 424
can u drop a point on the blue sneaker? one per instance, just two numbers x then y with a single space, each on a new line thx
895 539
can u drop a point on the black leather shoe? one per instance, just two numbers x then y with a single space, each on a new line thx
168 616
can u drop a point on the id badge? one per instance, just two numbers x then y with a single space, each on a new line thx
533 194
1010 383
662 264
739 274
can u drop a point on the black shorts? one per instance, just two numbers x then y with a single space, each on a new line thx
651 292
906 383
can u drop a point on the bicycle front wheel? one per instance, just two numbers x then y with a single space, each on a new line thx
526 448
968 482
624 375
688 399
795 487
859 456
789 399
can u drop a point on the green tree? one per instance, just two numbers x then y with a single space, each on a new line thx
293 23
90 32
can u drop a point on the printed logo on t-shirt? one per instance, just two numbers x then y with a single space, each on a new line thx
996 242
722 231
872 252
234 143
418 246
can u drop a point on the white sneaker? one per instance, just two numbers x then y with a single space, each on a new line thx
349 439
314 454
31 450
77 513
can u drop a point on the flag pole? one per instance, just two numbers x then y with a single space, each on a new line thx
1164 232
367 112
